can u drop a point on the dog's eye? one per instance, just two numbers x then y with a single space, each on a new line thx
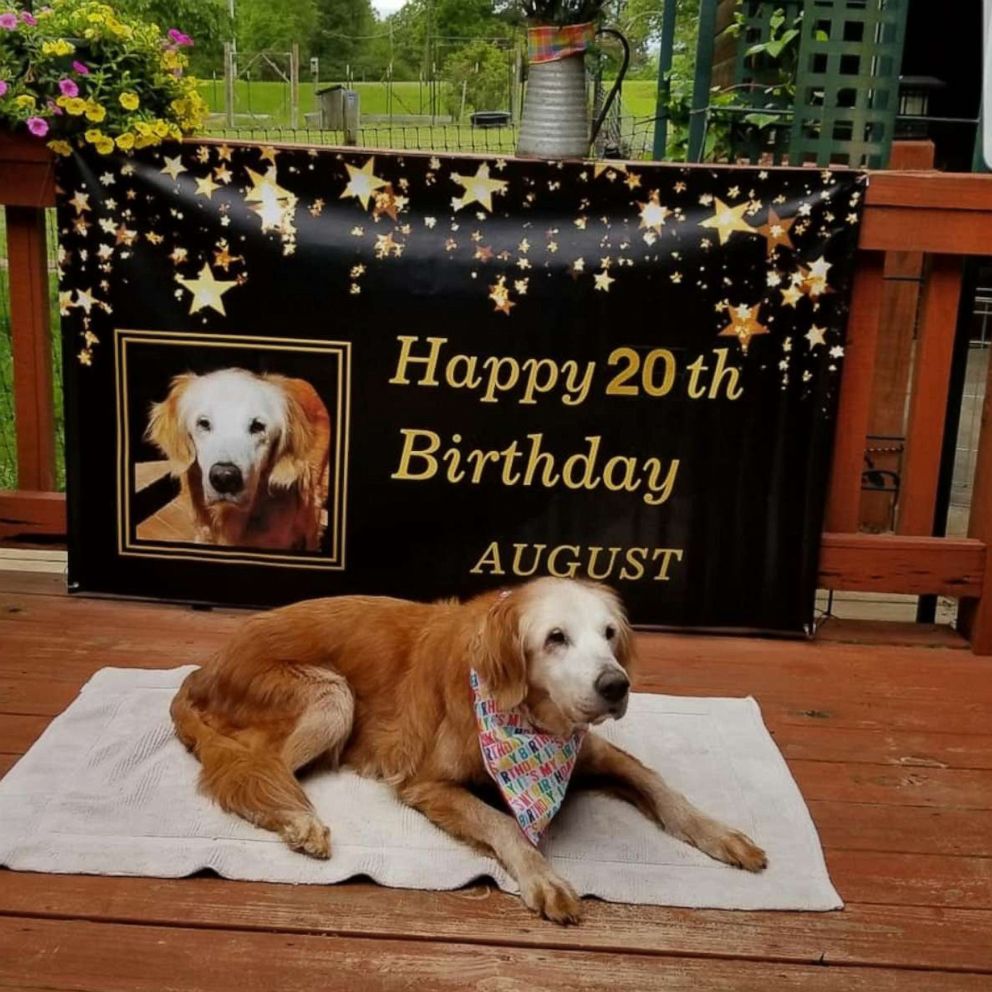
203 423
610 632
557 637
256 427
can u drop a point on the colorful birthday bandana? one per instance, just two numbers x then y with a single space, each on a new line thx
531 768
551 42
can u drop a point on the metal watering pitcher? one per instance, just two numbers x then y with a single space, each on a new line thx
555 118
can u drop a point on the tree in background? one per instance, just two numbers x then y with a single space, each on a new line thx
263 24
206 21
479 72
342 38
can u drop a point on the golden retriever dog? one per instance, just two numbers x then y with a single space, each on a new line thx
251 452
383 686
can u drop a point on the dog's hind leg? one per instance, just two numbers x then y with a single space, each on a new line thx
324 726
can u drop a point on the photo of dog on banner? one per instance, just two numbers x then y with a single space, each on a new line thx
510 557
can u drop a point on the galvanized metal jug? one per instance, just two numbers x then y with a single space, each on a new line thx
554 122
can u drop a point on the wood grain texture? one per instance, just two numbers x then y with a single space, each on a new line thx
897 564
928 402
31 348
854 410
80 955
26 516
890 745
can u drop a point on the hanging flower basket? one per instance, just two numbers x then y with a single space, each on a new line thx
77 73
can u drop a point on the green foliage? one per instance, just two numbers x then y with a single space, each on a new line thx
264 25
562 12
480 71
206 21
342 36
80 72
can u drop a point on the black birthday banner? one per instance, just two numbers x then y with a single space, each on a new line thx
296 372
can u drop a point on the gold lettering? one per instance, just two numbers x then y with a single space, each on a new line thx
733 390
405 359
480 458
588 459
662 489
548 477
454 457
510 454
593 556
518 568
696 369
410 438
491 558
498 383
573 565
577 389
533 367
468 380
628 481
668 554
634 563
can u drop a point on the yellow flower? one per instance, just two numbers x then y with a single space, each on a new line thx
95 112
75 106
144 140
129 100
60 147
160 128
93 135
96 18
60 47
125 141
170 59
143 128
24 100
105 146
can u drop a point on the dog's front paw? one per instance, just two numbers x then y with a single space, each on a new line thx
308 835
727 845
551 897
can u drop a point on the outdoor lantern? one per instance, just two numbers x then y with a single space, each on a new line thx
914 104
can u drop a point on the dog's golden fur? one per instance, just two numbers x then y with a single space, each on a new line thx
383 686
291 495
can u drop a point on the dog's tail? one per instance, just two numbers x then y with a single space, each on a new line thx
247 778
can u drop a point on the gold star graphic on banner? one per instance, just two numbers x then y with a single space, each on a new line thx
598 168
362 183
727 220
224 153
653 213
268 153
207 291
816 336
744 325
223 257
222 174
478 188
81 201
500 296
603 281
790 296
84 299
269 200
776 231
173 167
205 186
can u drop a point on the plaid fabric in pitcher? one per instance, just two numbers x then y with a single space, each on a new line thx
550 42
531 768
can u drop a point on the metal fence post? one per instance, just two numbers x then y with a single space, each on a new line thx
701 85
664 84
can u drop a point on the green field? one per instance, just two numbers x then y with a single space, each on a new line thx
270 101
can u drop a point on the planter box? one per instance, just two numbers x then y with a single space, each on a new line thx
27 171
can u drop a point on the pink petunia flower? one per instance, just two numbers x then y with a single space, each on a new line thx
38 126
54 108
28 18
3 87
8 21
81 68
67 87
178 38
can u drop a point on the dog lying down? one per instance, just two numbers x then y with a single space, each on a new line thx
385 686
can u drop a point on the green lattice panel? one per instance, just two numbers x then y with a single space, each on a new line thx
847 85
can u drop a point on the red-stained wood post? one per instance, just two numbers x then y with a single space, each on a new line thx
31 344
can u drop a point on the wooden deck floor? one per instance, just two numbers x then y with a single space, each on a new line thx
890 743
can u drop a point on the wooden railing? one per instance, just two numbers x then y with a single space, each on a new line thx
940 216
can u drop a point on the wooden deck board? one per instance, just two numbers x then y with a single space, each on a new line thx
890 744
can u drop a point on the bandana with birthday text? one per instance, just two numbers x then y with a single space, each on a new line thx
531 768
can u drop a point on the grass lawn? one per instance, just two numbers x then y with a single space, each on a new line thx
271 100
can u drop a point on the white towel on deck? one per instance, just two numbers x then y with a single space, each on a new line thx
109 790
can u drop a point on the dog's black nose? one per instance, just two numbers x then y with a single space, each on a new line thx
612 686
226 477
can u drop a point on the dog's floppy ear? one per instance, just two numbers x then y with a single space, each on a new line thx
292 466
167 431
500 657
